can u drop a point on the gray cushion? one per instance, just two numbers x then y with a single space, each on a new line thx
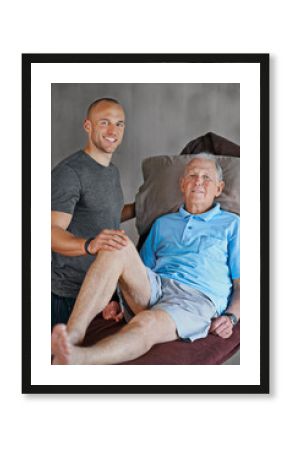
160 193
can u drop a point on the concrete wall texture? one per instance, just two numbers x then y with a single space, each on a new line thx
160 120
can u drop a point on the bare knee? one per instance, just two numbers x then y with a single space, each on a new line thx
146 325
122 253
128 250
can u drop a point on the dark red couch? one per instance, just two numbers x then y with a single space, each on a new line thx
211 350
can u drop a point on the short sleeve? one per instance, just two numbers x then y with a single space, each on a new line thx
65 189
147 252
234 251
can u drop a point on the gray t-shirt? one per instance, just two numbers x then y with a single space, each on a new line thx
92 193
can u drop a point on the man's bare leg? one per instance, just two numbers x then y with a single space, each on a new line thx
135 339
100 284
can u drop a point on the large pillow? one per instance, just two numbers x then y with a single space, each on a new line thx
160 193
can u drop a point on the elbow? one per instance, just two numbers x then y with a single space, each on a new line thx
128 212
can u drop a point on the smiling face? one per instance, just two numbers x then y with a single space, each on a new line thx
200 185
105 126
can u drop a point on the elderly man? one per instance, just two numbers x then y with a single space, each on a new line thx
185 286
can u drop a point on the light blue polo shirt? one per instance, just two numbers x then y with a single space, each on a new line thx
202 251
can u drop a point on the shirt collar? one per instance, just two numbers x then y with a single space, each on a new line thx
206 216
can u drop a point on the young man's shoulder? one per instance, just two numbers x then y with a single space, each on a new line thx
70 160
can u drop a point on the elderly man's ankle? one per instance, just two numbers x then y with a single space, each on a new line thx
75 335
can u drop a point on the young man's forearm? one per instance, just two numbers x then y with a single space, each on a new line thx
66 243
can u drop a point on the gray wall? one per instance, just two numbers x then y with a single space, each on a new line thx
160 119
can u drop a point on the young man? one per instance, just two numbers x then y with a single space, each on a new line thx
87 205
186 285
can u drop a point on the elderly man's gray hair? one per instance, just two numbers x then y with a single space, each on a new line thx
210 157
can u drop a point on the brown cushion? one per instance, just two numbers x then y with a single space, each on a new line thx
212 143
160 193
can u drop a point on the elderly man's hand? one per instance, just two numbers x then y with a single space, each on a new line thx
113 312
222 326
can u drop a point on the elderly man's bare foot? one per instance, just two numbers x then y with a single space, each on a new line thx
63 350
60 345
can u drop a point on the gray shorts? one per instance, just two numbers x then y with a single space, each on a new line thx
189 308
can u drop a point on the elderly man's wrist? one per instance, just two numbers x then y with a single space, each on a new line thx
233 318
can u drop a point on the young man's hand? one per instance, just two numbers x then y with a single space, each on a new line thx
108 240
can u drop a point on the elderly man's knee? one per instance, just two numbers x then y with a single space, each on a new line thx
146 324
129 247
122 253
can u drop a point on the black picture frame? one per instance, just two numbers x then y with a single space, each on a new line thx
263 61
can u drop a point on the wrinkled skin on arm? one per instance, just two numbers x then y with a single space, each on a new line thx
222 325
